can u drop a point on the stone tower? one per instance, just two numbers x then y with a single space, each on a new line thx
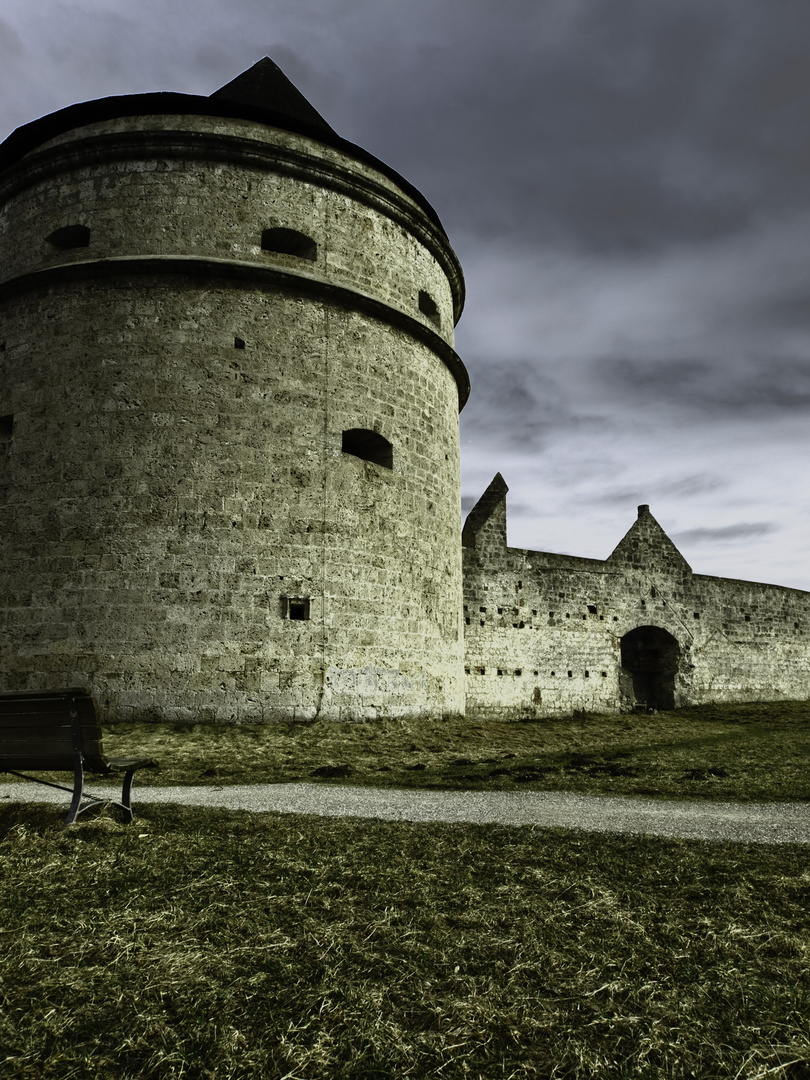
229 457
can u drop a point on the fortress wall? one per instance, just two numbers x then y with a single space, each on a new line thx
159 504
754 641
176 471
549 641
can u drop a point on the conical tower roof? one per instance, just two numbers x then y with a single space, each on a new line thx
265 86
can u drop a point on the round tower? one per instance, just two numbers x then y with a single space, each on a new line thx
229 455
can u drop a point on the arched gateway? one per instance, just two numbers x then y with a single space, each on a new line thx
651 656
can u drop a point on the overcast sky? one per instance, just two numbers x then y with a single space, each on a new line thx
626 184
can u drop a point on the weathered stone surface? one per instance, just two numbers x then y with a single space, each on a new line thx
182 531
544 633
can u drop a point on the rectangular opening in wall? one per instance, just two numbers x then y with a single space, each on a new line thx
295 608
6 431
299 610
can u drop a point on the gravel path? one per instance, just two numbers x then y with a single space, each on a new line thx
769 823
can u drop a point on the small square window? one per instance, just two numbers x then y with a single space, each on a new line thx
295 608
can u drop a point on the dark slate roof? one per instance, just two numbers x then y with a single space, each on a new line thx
263 94
265 86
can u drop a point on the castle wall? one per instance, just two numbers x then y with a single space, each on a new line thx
543 632
175 476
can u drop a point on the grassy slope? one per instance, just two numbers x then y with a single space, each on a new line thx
725 752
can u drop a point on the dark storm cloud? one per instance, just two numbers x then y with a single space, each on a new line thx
774 387
606 125
516 404
745 530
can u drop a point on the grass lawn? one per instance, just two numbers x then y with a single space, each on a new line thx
751 751
225 945
215 945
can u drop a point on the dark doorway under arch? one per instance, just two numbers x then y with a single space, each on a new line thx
652 656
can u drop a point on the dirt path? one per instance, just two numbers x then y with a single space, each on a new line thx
769 823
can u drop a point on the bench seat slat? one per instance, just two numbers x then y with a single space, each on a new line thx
59 740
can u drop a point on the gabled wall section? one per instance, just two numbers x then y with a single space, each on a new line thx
544 631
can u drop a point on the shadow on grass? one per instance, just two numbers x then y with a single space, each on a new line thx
229 945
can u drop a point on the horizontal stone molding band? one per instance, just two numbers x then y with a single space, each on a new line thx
252 153
252 274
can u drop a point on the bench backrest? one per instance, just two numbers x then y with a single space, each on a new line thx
37 730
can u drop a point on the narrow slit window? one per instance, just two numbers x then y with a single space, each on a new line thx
427 305
290 242
368 445
70 236
6 431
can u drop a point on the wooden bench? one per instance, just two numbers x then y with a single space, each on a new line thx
56 731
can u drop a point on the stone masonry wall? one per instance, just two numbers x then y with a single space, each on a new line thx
543 632
174 479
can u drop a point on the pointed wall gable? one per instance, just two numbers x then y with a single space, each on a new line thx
647 547
488 516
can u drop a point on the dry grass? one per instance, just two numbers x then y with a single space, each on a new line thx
229 946
752 751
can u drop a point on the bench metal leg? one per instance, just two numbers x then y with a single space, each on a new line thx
126 798
78 790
